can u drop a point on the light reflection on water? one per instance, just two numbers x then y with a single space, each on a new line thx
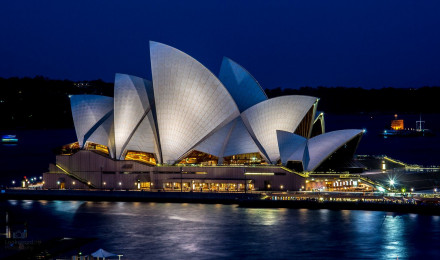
394 237
204 231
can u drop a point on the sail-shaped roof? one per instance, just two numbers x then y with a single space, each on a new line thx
187 108
131 105
281 113
89 112
190 101
244 88
322 146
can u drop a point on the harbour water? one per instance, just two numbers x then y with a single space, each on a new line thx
203 231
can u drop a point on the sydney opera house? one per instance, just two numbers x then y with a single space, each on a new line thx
190 130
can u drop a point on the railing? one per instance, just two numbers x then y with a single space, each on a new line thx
76 177
302 174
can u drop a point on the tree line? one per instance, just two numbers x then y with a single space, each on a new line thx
343 100
44 103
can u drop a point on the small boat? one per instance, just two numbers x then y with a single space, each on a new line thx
9 139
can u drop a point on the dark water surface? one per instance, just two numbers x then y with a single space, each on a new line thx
199 231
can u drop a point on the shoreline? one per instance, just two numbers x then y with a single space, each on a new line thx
245 200
135 196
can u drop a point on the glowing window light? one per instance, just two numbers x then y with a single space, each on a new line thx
260 173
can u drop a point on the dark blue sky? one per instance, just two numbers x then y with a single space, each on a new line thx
371 44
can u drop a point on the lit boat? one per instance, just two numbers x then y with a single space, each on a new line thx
9 139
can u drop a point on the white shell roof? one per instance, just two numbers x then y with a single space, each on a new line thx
215 143
104 134
281 113
241 85
322 146
240 141
190 101
143 138
131 104
87 111
291 146
187 108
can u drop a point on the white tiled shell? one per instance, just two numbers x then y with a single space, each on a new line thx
190 101
291 146
87 110
131 103
280 113
241 85
143 138
322 146
104 134
240 141
215 143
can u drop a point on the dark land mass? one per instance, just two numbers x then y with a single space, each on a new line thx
36 103
343 100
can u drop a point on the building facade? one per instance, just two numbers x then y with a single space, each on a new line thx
190 130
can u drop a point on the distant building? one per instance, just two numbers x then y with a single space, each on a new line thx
82 84
397 124
189 130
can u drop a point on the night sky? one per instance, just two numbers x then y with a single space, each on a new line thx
287 44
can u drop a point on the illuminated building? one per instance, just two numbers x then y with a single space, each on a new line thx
190 130
397 124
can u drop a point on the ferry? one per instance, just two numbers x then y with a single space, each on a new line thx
398 129
9 139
